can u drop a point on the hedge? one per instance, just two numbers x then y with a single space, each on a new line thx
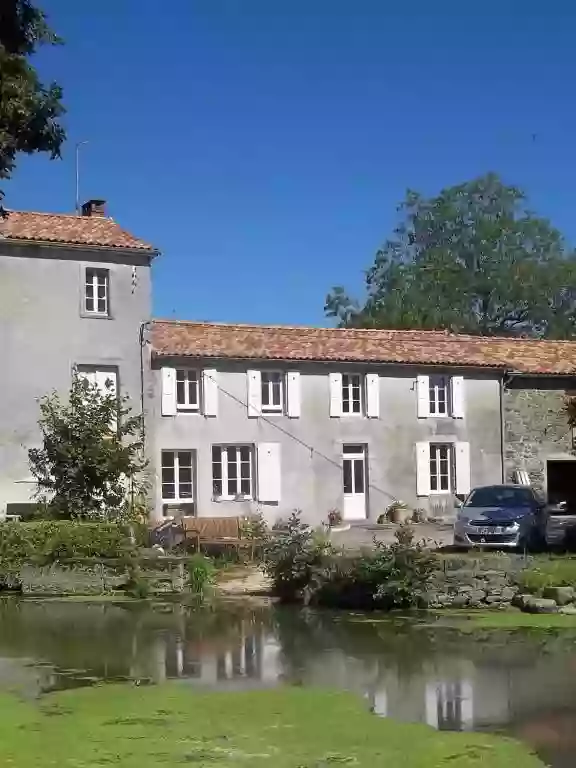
47 541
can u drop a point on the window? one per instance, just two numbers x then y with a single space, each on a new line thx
232 471
177 476
352 394
106 379
272 394
441 474
439 395
187 390
96 298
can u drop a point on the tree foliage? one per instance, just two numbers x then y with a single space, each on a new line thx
29 110
91 463
473 260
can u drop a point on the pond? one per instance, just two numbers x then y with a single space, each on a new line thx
519 683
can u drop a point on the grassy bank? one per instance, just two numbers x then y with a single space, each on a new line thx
150 727
499 619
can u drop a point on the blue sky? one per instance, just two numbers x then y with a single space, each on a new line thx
263 145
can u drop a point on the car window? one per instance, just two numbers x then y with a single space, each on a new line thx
496 496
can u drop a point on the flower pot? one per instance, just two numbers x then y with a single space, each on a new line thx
400 515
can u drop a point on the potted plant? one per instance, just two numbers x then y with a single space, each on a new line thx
399 512
334 518
335 522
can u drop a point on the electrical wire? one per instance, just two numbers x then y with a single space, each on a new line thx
281 429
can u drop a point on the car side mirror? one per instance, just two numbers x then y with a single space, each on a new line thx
458 504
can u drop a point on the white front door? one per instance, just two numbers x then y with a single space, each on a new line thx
354 482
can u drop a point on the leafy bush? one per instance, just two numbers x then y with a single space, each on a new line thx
293 559
201 574
50 540
303 566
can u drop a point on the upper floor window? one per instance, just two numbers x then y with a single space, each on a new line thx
271 383
352 400
441 396
187 389
96 292
439 392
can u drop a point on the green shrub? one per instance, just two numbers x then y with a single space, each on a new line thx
391 576
305 566
201 574
294 559
50 540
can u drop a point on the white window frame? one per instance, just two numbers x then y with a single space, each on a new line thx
267 380
436 384
236 448
347 385
435 451
93 278
175 466
185 376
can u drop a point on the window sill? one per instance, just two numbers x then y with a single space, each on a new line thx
441 493
232 498
183 409
273 412
95 315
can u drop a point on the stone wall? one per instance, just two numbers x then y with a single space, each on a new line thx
486 582
535 426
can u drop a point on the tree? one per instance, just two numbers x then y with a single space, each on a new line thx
91 463
471 260
29 110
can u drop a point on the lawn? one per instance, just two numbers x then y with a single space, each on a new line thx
170 725
467 621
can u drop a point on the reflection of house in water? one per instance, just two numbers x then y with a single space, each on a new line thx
249 660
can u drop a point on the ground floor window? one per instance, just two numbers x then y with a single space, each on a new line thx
441 468
232 471
178 475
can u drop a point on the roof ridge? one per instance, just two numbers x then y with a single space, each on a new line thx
63 215
279 326
448 335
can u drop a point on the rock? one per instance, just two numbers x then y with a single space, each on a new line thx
460 601
492 598
520 600
477 596
540 605
508 594
569 610
562 595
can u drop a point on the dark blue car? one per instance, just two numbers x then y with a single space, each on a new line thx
508 516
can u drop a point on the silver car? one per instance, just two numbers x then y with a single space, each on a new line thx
509 516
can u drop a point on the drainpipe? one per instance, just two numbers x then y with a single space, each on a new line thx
504 382
142 343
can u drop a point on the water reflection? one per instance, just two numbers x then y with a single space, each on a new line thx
413 673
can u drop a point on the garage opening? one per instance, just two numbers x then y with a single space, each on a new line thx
562 484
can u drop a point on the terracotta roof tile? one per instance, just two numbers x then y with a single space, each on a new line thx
70 229
179 338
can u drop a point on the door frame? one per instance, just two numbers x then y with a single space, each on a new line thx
353 456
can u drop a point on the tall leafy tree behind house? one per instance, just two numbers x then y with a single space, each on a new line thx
473 259
91 463
29 109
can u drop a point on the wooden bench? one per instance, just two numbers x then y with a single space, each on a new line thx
222 531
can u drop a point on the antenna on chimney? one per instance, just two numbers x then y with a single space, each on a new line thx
78 145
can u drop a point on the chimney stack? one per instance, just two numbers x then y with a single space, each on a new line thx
94 208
